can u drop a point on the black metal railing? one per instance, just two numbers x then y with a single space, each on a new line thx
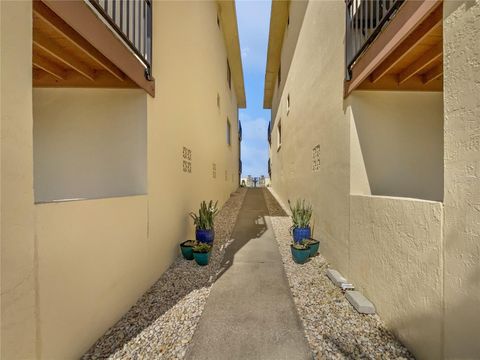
239 130
132 21
364 21
240 166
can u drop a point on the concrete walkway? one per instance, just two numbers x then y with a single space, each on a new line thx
250 313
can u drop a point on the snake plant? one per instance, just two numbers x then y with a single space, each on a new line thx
206 215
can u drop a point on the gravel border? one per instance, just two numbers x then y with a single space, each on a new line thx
334 329
162 322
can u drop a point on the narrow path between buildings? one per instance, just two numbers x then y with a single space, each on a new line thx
250 313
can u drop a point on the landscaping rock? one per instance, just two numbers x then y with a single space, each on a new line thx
161 324
334 329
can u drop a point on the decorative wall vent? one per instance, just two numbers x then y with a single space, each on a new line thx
226 175
187 160
316 158
214 170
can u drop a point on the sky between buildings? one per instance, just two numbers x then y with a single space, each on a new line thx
253 23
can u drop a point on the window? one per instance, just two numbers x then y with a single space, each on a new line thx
288 104
218 100
218 21
279 77
279 134
229 75
229 127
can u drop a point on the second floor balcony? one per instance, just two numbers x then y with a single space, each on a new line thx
393 45
93 43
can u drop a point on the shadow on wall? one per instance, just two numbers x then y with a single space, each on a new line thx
396 144
461 324
176 286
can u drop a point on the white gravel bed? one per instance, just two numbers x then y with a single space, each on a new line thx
161 324
334 329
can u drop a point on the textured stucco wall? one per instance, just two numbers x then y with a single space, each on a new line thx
89 143
190 63
396 261
399 140
17 212
86 247
316 118
93 265
296 11
461 31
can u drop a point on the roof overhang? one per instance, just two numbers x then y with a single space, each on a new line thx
278 22
228 16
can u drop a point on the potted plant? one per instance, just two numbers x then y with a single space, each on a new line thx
300 251
204 231
301 216
201 253
187 249
314 245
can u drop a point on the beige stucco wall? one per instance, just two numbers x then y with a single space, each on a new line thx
461 29
396 261
396 144
57 257
190 65
18 276
296 11
315 84
89 143
93 264
417 260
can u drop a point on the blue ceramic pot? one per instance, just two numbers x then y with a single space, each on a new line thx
314 247
300 256
205 236
187 251
202 258
301 233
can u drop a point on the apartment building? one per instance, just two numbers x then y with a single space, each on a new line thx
117 119
375 121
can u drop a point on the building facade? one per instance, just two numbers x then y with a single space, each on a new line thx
117 119
375 122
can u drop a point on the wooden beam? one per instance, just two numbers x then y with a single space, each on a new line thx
49 17
85 21
74 80
408 17
390 83
48 66
433 74
49 46
421 63
420 33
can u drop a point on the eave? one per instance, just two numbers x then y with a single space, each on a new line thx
278 23
228 16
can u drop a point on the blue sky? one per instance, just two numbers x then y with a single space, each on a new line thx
253 22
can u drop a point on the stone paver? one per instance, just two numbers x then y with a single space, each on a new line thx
250 313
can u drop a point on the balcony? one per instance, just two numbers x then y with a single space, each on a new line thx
393 45
93 43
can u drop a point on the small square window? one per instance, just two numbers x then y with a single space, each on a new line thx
229 129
